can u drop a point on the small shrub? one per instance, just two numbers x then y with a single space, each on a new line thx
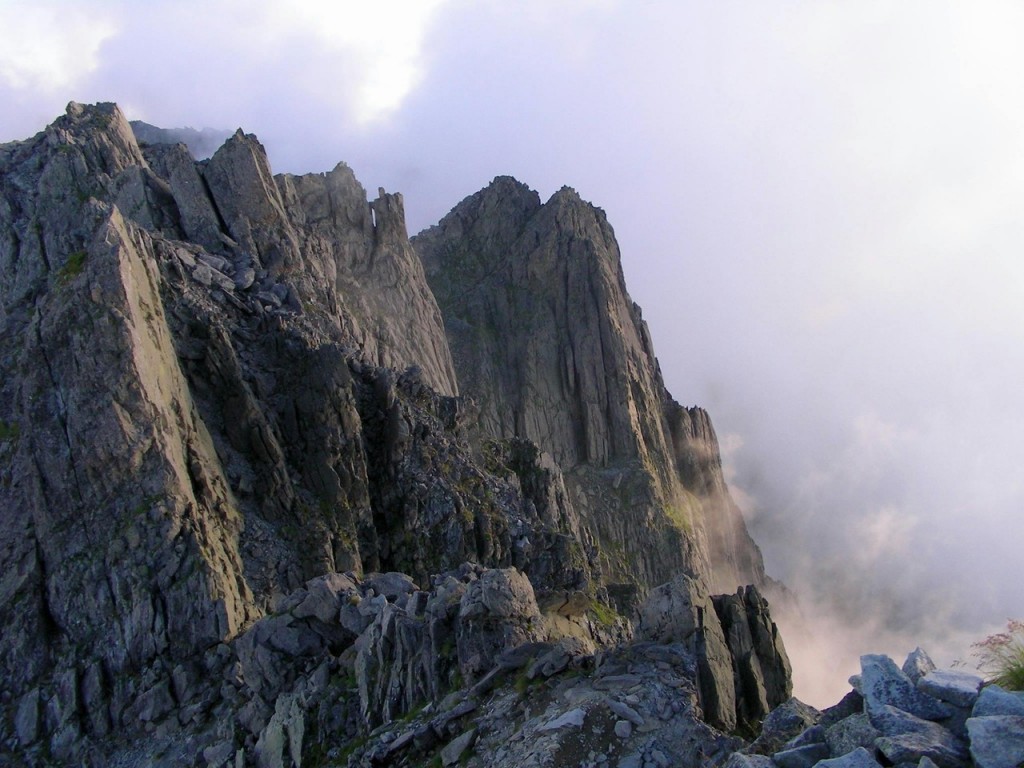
72 267
1002 656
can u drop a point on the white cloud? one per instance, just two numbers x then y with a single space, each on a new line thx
50 47
384 40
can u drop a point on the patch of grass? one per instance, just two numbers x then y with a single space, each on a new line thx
603 614
145 504
680 515
522 683
349 749
9 431
413 713
72 267
1002 656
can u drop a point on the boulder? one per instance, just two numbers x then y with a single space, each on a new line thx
26 719
783 724
217 755
806 756
681 611
958 688
497 612
394 586
883 684
625 712
905 748
918 664
851 704
325 596
280 742
997 741
906 738
859 758
993 700
571 719
454 750
740 760
849 734
761 669
813 735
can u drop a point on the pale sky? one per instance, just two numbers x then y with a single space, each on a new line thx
818 206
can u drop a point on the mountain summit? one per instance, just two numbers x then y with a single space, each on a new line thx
275 479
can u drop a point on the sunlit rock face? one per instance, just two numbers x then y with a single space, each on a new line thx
272 476
549 347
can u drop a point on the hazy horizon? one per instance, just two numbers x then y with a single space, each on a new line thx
817 207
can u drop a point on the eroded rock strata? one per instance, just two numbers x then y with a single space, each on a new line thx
273 478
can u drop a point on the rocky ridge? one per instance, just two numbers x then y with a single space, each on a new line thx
256 509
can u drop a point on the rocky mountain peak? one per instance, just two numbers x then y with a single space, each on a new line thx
102 132
550 348
272 476
247 198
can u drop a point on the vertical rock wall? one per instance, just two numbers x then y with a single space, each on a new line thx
550 348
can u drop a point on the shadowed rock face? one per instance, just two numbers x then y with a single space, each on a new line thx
550 347
221 390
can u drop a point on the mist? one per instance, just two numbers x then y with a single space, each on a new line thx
818 207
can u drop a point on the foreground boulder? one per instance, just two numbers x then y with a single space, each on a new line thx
744 672
877 725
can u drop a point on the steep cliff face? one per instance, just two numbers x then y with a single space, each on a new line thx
228 404
550 347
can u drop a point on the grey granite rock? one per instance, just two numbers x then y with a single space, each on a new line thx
849 734
681 612
740 760
801 757
859 758
906 738
782 724
761 670
454 750
571 719
26 718
883 684
917 664
993 700
997 741
813 735
953 686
